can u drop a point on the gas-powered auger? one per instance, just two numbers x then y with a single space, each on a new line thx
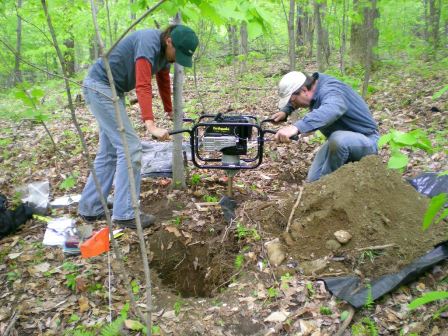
229 143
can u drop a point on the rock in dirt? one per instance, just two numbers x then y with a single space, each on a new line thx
356 198
332 245
314 267
275 252
343 236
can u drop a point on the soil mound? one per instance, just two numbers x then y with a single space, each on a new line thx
382 213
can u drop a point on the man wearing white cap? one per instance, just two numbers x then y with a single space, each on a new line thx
336 110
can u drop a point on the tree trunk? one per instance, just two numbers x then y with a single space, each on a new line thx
244 45
93 49
308 20
233 40
364 35
356 36
323 48
300 39
434 23
371 40
178 160
305 28
69 55
425 18
17 71
343 37
292 42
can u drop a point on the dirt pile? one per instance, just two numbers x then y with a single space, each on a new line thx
382 213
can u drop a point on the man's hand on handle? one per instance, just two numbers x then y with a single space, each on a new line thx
284 134
159 133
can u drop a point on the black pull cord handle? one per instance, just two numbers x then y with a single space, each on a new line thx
179 131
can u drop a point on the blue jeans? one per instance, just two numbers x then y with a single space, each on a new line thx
340 148
110 160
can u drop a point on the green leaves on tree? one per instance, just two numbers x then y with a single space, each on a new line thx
397 140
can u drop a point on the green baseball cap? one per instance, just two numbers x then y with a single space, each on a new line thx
185 41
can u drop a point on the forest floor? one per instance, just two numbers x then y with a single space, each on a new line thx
214 277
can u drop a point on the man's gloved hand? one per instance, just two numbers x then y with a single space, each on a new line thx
279 117
284 134
159 133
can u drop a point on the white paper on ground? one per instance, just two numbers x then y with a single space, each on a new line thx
56 230
65 201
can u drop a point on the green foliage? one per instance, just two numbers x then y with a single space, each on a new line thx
436 205
239 261
69 266
318 137
369 255
369 299
366 327
177 221
427 298
310 289
415 139
178 306
344 315
70 281
69 182
195 179
439 93
325 310
243 232
352 77
115 327
80 331
210 199
285 279
12 276
272 292
135 287
30 97
155 330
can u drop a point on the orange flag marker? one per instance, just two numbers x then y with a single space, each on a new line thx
96 245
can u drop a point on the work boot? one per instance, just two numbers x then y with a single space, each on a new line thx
145 219
92 219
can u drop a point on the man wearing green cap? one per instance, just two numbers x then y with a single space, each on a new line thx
133 62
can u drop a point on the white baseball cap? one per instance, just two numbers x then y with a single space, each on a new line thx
289 84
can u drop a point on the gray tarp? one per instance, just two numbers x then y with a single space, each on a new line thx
157 159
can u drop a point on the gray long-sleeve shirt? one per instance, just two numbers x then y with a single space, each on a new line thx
335 107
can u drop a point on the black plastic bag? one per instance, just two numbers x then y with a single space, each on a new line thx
10 220
348 288
430 184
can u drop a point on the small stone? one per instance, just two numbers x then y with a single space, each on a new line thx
199 193
343 236
288 239
332 245
435 331
275 252
314 267
416 327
